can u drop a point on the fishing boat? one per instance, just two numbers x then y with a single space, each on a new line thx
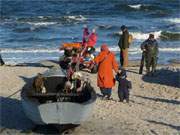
54 106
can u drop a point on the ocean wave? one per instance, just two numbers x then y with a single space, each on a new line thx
51 20
174 20
30 51
170 49
138 50
56 50
41 23
137 6
150 7
166 35
76 18
27 58
29 29
34 39
114 27
140 35
108 27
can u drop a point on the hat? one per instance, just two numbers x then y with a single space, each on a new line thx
122 74
123 27
104 47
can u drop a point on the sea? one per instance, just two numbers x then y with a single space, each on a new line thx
33 30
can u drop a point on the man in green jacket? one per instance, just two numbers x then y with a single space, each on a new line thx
124 45
150 49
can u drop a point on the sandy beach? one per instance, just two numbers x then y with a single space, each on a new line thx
154 107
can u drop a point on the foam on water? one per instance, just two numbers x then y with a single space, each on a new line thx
42 23
140 35
174 20
113 48
77 18
137 6
30 51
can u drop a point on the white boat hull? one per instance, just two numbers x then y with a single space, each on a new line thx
57 112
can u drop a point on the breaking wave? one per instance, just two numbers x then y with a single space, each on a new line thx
151 8
170 35
140 35
51 20
107 27
29 51
164 35
76 18
138 6
42 23
174 20
56 50
45 20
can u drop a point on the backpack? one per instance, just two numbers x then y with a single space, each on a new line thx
130 38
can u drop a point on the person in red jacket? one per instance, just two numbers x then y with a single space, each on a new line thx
85 36
92 39
91 42
107 63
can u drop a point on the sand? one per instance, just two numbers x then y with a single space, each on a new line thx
154 107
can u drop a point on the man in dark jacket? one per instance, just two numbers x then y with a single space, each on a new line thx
124 45
150 48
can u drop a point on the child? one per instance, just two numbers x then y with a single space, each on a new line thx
123 87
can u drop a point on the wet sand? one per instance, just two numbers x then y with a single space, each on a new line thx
154 107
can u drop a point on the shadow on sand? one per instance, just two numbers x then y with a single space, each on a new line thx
165 124
13 117
164 77
175 102
132 71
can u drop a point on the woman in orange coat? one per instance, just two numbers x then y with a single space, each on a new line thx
107 63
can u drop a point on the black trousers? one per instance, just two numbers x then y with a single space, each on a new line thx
123 94
121 58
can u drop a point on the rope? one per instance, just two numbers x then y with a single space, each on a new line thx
14 93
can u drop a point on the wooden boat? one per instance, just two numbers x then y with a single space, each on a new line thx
55 107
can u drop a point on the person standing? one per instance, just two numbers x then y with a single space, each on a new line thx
150 49
85 35
124 45
123 86
105 78
1 61
92 41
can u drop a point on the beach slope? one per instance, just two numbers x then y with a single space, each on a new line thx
154 106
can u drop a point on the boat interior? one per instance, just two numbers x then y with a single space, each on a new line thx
55 92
